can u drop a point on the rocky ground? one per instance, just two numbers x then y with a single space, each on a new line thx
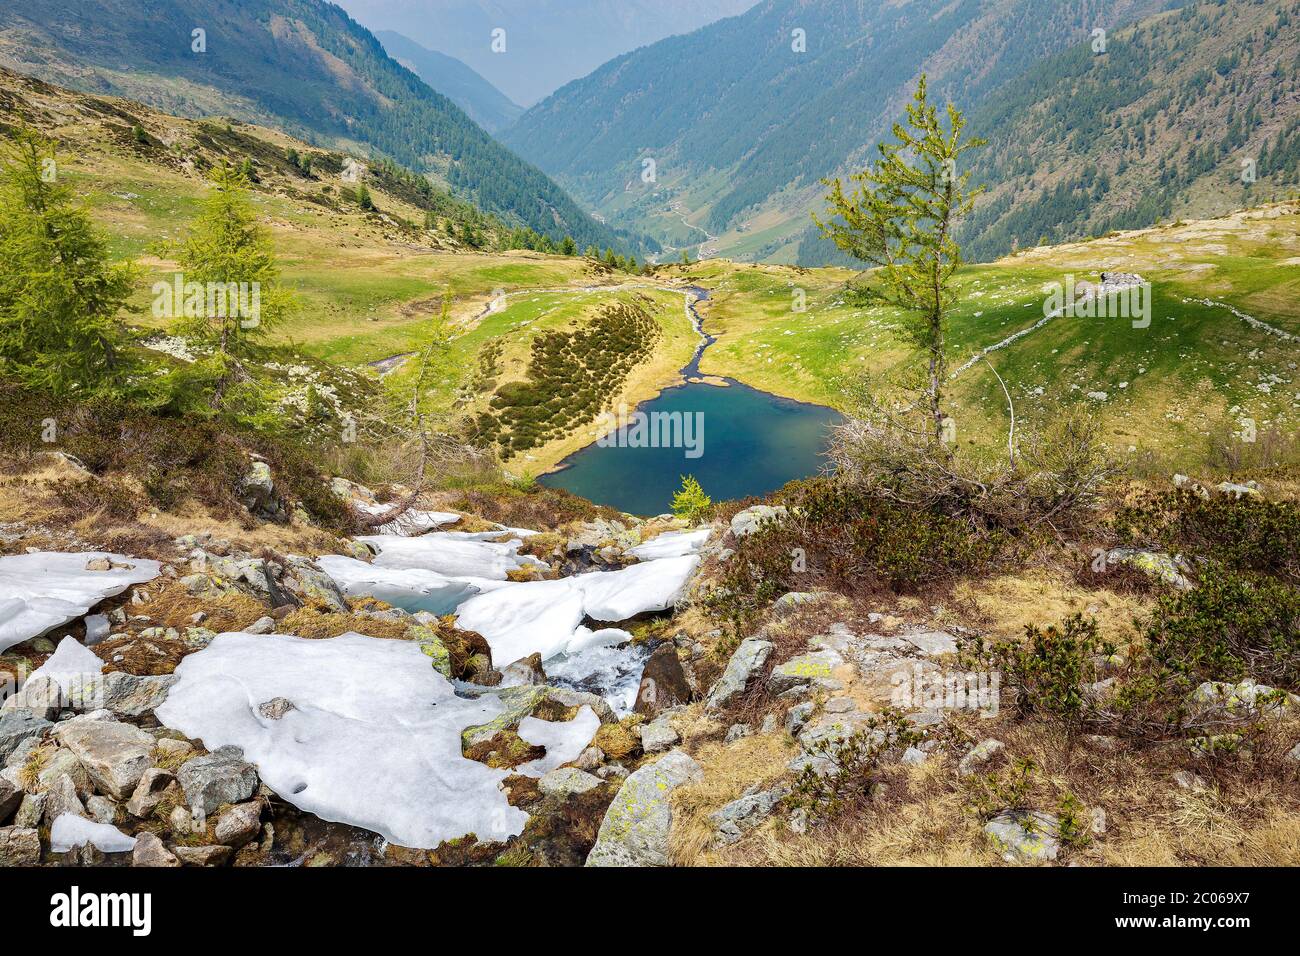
213 705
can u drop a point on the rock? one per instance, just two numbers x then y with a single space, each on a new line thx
1187 780
17 726
121 694
181 822
1024 837
263 625
313 585
1097 821
733 820
240 824
737 732
101 809
979 755
798 716
1246 699
748 660
1158 565
31 811
11 798
257 491
840 705
19 846
658 736
61 798
769 725
663 682
794 598
40 695
202 855
65 763
1294 754
637 825
750 520
567 781
115 755
590 759
149 851
525 671
932 643
799 821
914 757
149 792
1237 491
803 670
211 780
276 708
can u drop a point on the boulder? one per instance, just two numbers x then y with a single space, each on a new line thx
149 792
257 491
115 755
202 855
11 798
149 851
61 799
748 660
525 671
750 520
31 811
64 763
240 824
1025 837
798 716
19 846
637 825
663 682
803 670
220 777
566 782
658 736
17 726
101 809
744 814
124 695
932 643
979 755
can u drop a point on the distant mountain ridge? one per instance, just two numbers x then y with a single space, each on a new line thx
485 104
743 117
303 65
547 43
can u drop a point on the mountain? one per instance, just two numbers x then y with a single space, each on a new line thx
303 65
485 104
547 42
743 117
1188 115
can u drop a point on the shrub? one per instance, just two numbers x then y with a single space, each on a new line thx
853 762
1047 670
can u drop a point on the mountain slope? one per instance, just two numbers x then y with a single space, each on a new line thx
300 64
1172 120
548 42
742 125
485 104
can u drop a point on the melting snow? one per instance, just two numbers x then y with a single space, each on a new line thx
671 544
39 592
69 665
451 554
563 740
70 831
374 740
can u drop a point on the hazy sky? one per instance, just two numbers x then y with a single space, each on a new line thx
547 42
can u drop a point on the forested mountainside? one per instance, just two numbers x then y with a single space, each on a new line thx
303 65
485 104
1189 114
745 116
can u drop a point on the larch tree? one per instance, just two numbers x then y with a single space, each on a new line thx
900 220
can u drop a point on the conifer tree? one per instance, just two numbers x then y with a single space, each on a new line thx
900 219
60 297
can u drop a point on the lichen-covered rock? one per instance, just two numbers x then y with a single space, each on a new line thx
1025 837
638 823
979 755
122 694
1245 699
567 781
222 776
202 855
1166 568
116 755
11 798
257 491
658 736
518 703
748 660
803 670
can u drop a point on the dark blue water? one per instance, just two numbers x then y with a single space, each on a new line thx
753 443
